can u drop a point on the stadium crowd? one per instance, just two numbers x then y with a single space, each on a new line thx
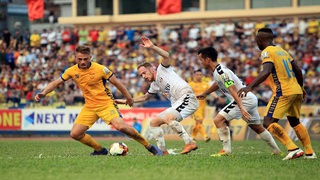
30 60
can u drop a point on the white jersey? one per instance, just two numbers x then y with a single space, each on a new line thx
224 78
170 84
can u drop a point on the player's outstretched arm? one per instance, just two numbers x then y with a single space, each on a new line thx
297 71
147 43
113 80
139 99
263 75
50 87
211 89
233 91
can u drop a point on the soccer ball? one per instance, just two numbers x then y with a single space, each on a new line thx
118 149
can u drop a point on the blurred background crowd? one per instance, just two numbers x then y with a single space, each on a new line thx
30 60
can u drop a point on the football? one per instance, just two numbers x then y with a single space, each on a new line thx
118 149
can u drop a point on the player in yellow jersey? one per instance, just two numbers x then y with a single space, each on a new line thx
91 78
198 87
286 81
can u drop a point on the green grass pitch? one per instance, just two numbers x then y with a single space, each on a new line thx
70 160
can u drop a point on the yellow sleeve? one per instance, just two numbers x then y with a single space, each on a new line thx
67 74
106 73
266 56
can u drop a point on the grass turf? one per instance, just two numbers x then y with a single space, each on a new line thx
68 159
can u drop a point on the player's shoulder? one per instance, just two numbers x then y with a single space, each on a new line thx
72 68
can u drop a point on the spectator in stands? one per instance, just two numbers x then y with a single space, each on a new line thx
137 125
35 39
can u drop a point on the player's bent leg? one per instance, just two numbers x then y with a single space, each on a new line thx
190 145
302 134
78 133
118 124
158 133
267 137
223 133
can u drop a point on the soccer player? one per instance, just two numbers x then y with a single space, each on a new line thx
198 87
286 81
183 101
245 106
91 78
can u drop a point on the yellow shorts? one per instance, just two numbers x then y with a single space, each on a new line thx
289 105
88 116
199 114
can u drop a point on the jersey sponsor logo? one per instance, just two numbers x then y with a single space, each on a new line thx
167 88
264 55
106 70
160 79
77 76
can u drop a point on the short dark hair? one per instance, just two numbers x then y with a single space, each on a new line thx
266 30
145 64
198 70
83 50
209 52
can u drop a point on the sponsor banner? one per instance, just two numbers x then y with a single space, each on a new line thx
10 119
63 119
55 120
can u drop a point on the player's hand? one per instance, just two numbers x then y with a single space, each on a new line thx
39 96
129 102
243 91
304 96
120 101
245 115
201 96
146 42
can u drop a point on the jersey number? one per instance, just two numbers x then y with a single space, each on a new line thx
288 70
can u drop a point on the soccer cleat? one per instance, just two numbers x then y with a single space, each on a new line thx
207 139
154 150
310 156
164 153
103 151
219 154
188 148
294 154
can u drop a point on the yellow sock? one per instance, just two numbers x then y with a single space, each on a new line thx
139 138
89 141
195 131
202 131
304 138
278 132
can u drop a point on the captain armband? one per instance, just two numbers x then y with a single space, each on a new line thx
228 83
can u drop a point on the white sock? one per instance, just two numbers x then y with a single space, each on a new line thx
179 129
224 135
267 137
158 135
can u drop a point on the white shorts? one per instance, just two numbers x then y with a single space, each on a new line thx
183 107
250 103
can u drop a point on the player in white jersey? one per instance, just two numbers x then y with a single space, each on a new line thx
183 100
240 107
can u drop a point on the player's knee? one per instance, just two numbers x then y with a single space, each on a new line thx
268 120
76 136
293 121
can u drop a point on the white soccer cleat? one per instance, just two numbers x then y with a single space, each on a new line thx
313 156
294 154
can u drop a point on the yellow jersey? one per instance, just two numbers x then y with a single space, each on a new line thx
282 79
199 88
92 82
